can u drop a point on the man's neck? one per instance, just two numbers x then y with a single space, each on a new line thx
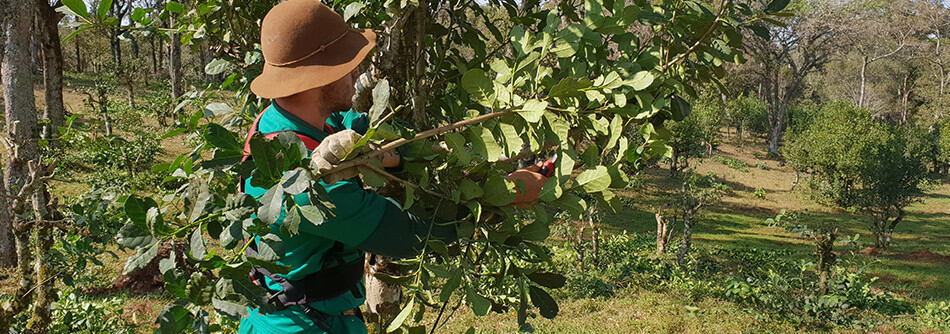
312 113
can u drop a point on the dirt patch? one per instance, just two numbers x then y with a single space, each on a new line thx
148 279
923 255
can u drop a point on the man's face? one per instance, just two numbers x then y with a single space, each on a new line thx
339 94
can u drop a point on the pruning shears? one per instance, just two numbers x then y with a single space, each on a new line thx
547 167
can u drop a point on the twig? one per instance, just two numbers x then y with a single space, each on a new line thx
387 175
365 159
680 57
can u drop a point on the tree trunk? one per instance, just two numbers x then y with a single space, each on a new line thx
135 47
824 244
55 112
45 295
7 236
687 240
777 122
864 68
116 47
382 299
174 64
661 231
79 64
151 41
19 107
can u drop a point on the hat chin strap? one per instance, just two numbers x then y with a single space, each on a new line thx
305 57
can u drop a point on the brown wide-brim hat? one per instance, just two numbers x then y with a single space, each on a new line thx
307 45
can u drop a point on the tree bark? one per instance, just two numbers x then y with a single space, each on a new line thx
174 63
79 65
687 240
864 69
19 107
825 242
55 112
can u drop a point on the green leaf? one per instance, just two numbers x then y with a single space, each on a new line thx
616 130
198 250
217 66
475 82
174 319
291 223
548 280
137 207
380 97
776 6
401 317
536 231
456 142
546 305
594 180
641 80
371 178
271 205
141 258
450 286
480 305
498 191
133 236
219 137
137 15
229 308
78 7
572 204
296 181
217 109
314 215
269 247
166 264
103 9
551 190
680 108
175 7
470 190
570 87
761 31
533 110
352 10
484 143
618 179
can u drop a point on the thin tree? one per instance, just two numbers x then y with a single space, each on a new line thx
55 112
804 45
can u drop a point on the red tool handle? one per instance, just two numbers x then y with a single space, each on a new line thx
547 168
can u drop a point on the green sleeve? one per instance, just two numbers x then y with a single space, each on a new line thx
357 212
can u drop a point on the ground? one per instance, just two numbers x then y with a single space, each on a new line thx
917 267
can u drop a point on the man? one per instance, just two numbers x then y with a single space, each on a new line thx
311 58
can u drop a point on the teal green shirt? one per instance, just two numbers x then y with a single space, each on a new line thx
357 214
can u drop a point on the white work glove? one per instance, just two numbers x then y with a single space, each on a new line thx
330 152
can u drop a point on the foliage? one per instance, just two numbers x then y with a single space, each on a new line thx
767 282
698 132
747 114
74 314
733 163
759 193
858 162
937 314
97 217
555 82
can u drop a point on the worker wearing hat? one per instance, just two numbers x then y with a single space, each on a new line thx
311 58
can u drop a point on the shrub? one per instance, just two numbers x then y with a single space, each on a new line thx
733 163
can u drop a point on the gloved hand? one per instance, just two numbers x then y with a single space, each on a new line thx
330 152
532 181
